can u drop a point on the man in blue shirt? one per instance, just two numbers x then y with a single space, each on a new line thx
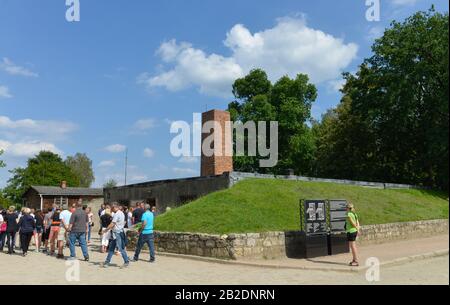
146 235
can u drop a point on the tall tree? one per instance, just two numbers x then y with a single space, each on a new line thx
393 120
46 168
289 102
81 165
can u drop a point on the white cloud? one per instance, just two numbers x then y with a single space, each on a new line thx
116 148
375 32
4 92
188 160
144 124
107 163
289 48
27 149
148 153
27 128
11 68
336 85
403 2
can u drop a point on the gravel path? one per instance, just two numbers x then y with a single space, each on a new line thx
38 268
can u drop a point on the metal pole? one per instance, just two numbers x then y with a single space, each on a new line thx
126 165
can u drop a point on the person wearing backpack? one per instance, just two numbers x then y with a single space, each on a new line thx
352 228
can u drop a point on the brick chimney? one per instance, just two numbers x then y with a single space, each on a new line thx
216 165
63 184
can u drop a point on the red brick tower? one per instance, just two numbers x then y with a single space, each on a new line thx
216 165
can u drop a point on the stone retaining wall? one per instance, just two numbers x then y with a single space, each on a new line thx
374 234
272 245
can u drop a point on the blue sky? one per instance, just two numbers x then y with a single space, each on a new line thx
117 77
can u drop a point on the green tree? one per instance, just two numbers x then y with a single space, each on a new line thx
110 184
46 168
81 165
2 163
392 124
289 102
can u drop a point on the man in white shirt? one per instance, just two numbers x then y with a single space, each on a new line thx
118 234
62 235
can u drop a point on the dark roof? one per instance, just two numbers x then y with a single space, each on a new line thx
68 191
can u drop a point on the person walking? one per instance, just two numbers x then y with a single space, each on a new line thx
54 230
130 217
47 227
11 228
90 223
118 237
63 236
352 228
39 220
105 221
26 228
146 235
78 228
137 213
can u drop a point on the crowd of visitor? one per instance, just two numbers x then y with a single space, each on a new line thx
58 228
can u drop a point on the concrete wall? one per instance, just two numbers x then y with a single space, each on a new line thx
273 245
167 193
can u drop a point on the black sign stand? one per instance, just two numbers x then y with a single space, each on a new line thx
322 223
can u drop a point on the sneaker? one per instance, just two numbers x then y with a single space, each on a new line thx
71 258
86 259
125 265
152 260
60 256
105 265
134 260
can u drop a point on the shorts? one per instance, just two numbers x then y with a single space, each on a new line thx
352 236
38 230
46 234
54 231
62 234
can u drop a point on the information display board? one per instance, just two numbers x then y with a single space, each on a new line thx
315 213
338 215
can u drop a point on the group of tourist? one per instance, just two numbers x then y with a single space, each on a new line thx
58 228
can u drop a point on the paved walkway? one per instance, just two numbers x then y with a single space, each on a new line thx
38 268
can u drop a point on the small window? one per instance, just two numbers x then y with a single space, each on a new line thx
62 202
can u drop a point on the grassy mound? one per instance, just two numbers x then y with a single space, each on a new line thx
257 205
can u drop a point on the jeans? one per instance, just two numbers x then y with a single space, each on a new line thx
25 239
118 242
81 238
145 239
89 232
10 240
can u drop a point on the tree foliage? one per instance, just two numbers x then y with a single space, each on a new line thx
81 165
2 163
392 123
110 183
46 168
288 101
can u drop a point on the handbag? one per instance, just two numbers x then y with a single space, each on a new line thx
3 227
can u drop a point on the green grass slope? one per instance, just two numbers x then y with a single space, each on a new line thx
257 205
